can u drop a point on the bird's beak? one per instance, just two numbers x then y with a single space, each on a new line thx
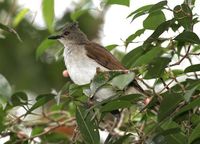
55 37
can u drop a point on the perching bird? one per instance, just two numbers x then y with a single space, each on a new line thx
82 57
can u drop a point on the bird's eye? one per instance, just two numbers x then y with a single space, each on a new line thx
66 33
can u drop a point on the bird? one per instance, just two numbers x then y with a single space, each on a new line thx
82 57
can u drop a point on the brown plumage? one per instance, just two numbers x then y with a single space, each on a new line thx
106 59
103 57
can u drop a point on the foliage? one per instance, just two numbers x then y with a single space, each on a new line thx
168 113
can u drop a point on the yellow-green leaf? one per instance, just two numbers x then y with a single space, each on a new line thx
48 13
20 16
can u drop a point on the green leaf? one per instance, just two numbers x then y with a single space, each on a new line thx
189 93
195 134
11 30
37 130
100 79
133 98
157 67
114 105
130 58
149 56
123 101
48 13
183 14
188 36
169 133
41 100
195 119
3 115
56 138
123 80
169 103
153 20
5 90
75 90
18 18
133 36
87 126
111 47
44 46
192 68
189 106
143 10
119 2
75 15
159 30
19 98
196 48
122 139
138 15
158 6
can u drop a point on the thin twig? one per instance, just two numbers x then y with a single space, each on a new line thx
185 56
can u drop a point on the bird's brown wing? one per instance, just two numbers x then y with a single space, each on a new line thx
106 59
103 57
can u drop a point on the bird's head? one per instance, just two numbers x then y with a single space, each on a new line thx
70 34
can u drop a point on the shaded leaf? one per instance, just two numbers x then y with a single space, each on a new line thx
100 79
114 105
188 36
5 90
2 117
56 138
133 98
75 90
158 31
192 68
41 100
130 58
122 139
183 14
158 6
123 101
87 126
157 67
48 13
120 2
196 48
169 103
11 30
19 17
111 47
149 56
189 93
195 134
44 46
189 106
19 98
122 81
147 9
37 130
75 15
153 20
195 119
143 10
133 36
170 133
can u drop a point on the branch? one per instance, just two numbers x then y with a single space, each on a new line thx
185 56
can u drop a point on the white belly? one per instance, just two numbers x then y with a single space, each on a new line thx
81 68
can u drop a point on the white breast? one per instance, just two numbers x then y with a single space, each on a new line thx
81 68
